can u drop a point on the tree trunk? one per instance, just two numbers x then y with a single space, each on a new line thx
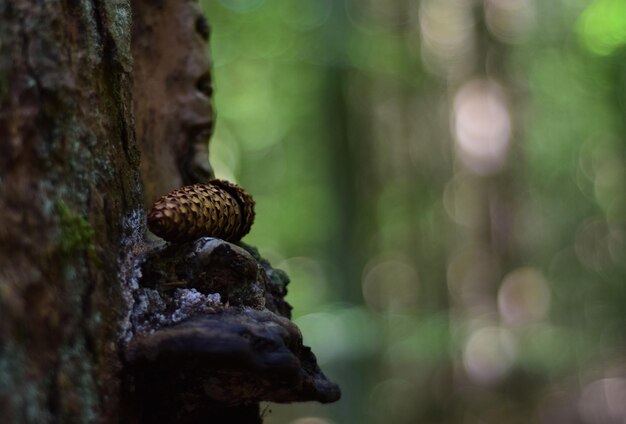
79 104
70 206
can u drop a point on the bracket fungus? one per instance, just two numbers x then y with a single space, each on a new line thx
236 357
212 335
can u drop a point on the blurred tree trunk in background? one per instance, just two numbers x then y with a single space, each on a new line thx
70 185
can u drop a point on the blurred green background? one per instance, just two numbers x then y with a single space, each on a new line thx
444 182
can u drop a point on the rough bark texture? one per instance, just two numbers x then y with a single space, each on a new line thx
69 201
172 94
96 320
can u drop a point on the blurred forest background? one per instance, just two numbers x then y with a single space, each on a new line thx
444 182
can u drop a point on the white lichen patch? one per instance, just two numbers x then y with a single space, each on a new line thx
130 267
154 310
191 302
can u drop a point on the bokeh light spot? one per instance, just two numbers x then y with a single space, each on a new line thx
602 26
390 285
461 200
489 354
604 401
524 296
471 275
595 241
482 126
509 20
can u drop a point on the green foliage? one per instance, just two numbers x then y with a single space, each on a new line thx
410 271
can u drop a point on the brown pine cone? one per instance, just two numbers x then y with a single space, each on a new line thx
216 209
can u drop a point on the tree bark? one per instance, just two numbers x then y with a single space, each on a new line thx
172 94
82 334
69 206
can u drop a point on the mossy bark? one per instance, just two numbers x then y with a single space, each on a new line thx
70 196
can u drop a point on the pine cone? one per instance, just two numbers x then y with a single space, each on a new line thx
216 209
